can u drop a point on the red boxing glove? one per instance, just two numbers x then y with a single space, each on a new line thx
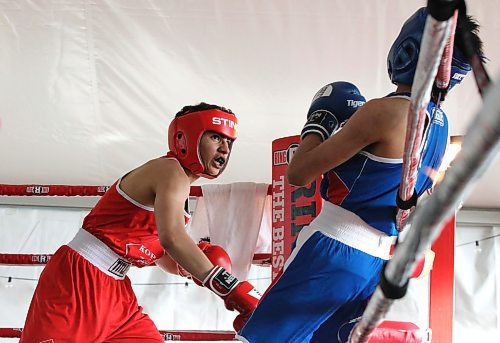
237 295
243 298
216 254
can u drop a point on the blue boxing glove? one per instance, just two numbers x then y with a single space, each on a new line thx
331 106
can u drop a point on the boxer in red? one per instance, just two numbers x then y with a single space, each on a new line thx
84 294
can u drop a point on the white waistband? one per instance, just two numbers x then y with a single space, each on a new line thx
99 254
348 228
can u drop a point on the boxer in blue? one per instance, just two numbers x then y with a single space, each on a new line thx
335 265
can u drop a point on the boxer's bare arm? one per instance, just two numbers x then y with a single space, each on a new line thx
378 128
314 158
171 187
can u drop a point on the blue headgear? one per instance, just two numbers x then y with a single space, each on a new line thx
340 98
403 56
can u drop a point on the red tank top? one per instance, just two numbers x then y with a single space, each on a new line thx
126 226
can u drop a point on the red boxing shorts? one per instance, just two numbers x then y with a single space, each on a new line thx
76 302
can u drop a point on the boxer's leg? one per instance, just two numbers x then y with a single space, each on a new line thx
139 328
323 276
340 324
129 323
65 305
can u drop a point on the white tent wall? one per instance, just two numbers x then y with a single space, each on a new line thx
88 87
477 299
477 278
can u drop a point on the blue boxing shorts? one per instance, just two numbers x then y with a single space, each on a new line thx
327 280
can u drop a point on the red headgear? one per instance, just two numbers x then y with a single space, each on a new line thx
184 135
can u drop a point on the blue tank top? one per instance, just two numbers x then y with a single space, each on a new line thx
367 185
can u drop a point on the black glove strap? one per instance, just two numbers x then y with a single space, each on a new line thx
220 281
407 204
390 290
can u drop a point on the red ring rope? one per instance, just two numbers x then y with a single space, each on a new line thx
24 259
168 335
42 259
66 190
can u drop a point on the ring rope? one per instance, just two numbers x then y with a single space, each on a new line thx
483 80
70 190
481 144
42 259
168 335
434 38
443 76
24 259
427 66
67 190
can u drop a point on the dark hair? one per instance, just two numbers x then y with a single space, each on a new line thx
467 36
202 106
467 41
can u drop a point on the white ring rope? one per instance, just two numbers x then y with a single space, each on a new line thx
481 143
